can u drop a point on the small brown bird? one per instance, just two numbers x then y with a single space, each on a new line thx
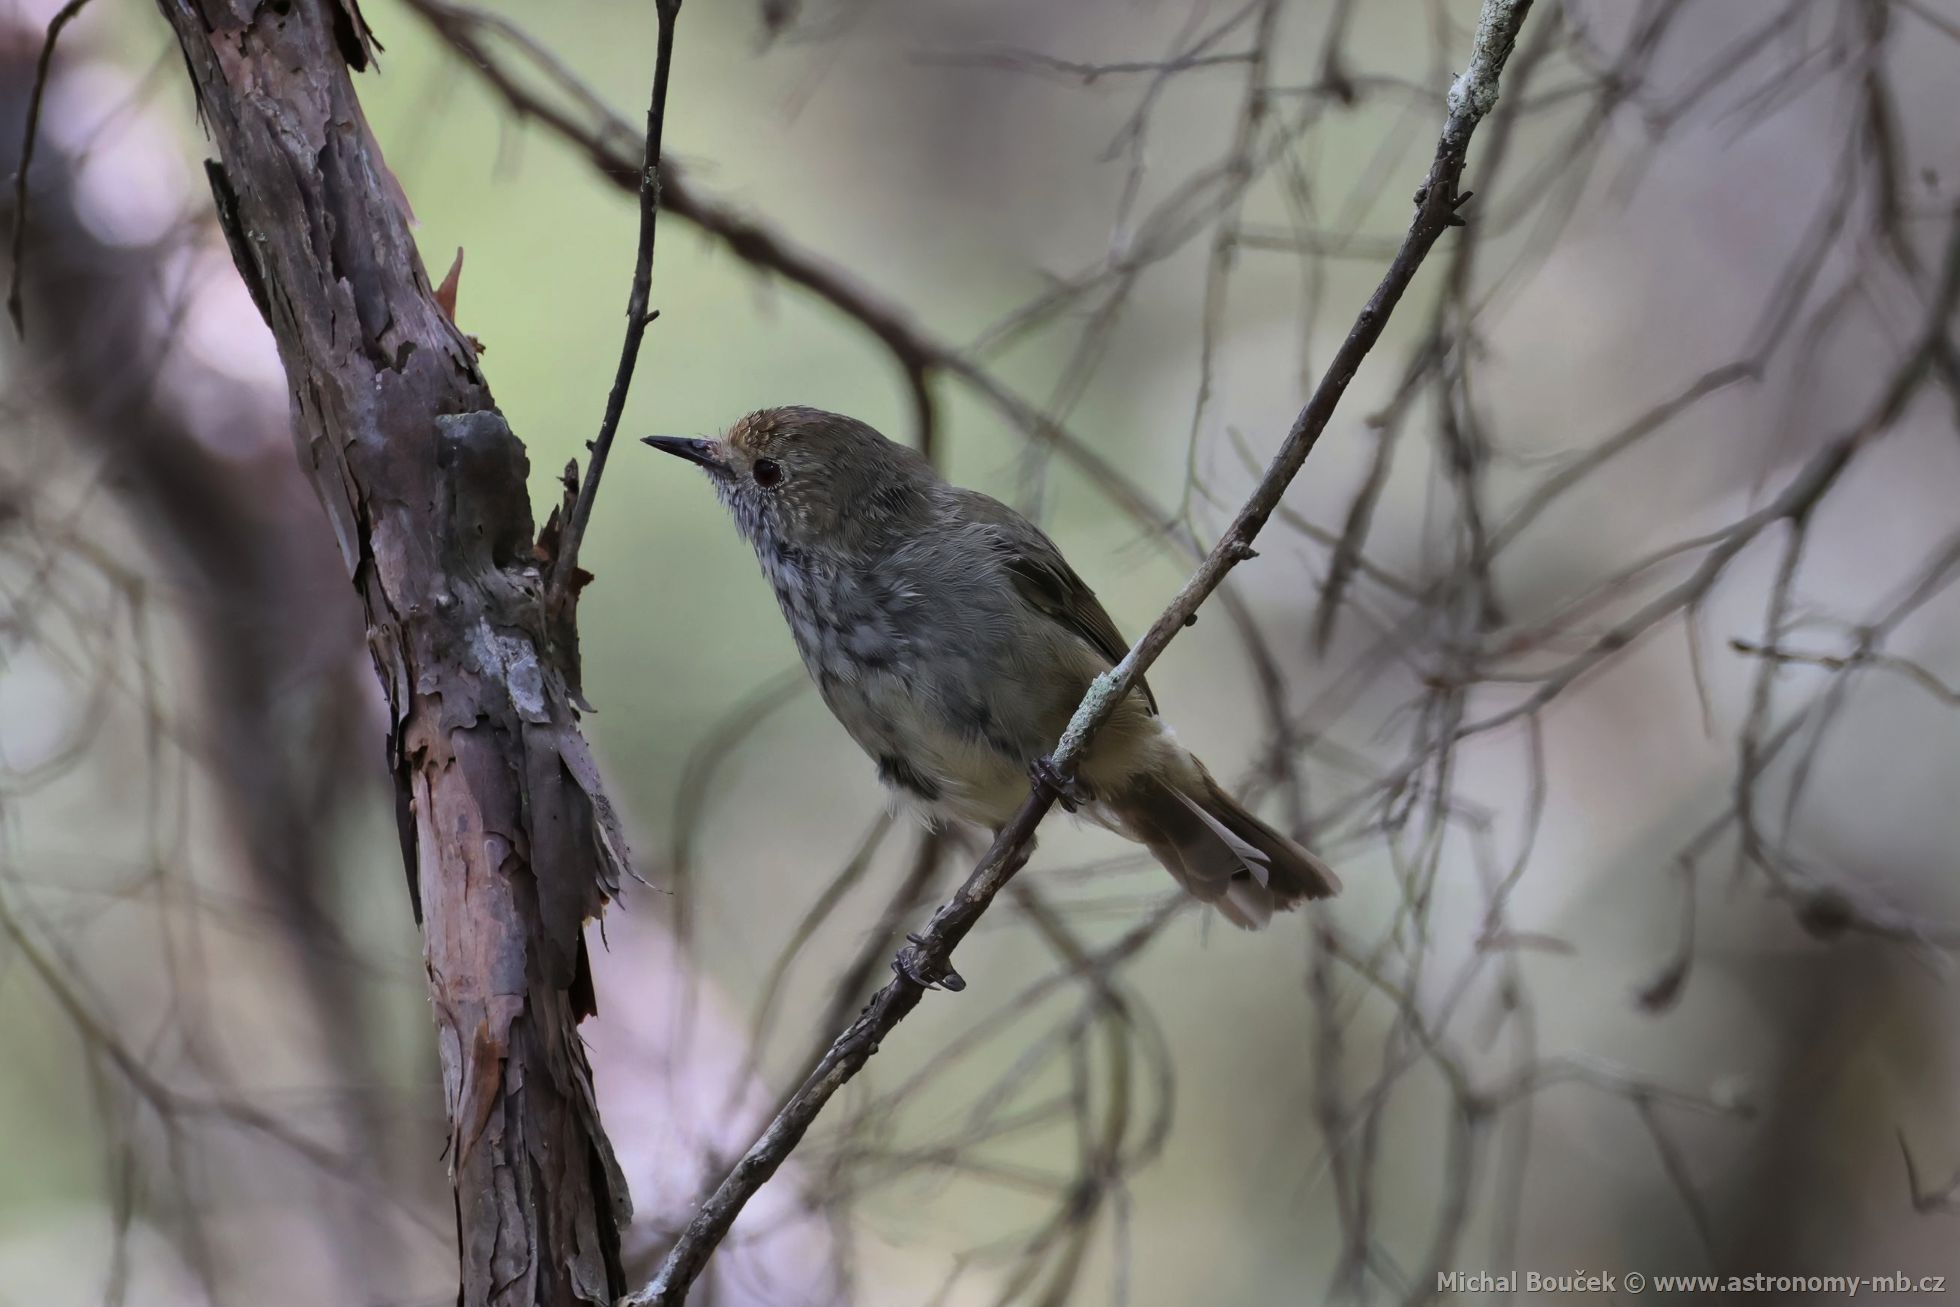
953 641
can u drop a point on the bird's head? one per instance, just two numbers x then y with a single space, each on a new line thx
807 479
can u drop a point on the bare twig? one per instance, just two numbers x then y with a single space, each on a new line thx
564 569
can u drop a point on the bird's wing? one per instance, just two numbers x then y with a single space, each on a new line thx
1046 581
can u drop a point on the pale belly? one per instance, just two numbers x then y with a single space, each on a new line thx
961 765
953 711
941 768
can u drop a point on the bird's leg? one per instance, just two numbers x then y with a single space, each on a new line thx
918 963
925 971
1070 792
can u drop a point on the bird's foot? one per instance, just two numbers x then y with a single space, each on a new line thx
926 972
1068 791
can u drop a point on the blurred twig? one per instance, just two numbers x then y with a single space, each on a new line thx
63 16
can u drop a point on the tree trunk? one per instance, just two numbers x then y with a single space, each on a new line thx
509 841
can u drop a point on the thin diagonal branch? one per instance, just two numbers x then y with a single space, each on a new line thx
1471 98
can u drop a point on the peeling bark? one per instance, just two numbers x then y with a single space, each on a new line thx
509 841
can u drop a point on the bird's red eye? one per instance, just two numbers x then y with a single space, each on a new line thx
767 472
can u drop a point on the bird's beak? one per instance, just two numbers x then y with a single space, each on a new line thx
705 452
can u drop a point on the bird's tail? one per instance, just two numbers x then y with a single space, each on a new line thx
1218 851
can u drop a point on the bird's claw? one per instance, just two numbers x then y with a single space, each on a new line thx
1068 791
925 972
